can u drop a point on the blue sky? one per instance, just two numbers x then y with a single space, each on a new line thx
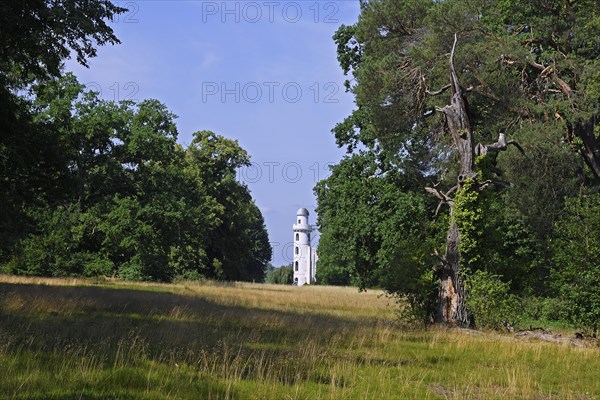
261 72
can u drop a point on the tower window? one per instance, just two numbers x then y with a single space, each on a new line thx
297 250
296 266
298 220
297 236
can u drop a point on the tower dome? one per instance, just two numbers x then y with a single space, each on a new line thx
303 212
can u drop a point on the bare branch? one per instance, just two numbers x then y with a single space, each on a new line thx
453 76
500 145
439 256
438 208
564 87
541 67
517 145
439 91
495 182
452 189
544 71
444 197
436 192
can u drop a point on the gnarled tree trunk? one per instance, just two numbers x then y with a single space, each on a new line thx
451 306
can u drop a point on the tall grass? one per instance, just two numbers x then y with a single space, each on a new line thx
63 339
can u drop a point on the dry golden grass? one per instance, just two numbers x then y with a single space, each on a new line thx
332 300
341 301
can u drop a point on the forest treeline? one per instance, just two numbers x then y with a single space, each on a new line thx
98 188
470 184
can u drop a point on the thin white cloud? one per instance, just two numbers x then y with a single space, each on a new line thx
209 59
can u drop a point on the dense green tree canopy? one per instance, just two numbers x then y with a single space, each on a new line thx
36 36
528 65
577 261
121 198
364 214
441 88
283 275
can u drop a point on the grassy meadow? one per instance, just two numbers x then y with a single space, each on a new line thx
84 339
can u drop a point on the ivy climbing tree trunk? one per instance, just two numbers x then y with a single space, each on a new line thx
451 305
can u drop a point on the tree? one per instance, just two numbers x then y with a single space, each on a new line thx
555 45
477 162
577 261
374 230
510 69
99 188
283 275
87 131
124 199
37 36
115 160
238 246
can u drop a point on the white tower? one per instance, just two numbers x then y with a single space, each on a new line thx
305 257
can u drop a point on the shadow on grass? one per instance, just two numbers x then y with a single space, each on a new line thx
50 318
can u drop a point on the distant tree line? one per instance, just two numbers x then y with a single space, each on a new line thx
283 275
427 203
96 188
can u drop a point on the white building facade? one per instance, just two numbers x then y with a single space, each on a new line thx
305 256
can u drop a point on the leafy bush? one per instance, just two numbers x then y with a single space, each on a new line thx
490 301
281 276
543 310
55 249
131 271
189 276
576 273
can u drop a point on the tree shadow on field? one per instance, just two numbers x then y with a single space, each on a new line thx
55 318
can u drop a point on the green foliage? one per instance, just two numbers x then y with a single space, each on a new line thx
237 247
577 261
54 251
532 72
36 37
469 215
53 31
374 231
91 187
283 275
509 248
490 300
541 181
495 237
129 201
544 311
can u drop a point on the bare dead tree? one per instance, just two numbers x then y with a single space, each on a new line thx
451 307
